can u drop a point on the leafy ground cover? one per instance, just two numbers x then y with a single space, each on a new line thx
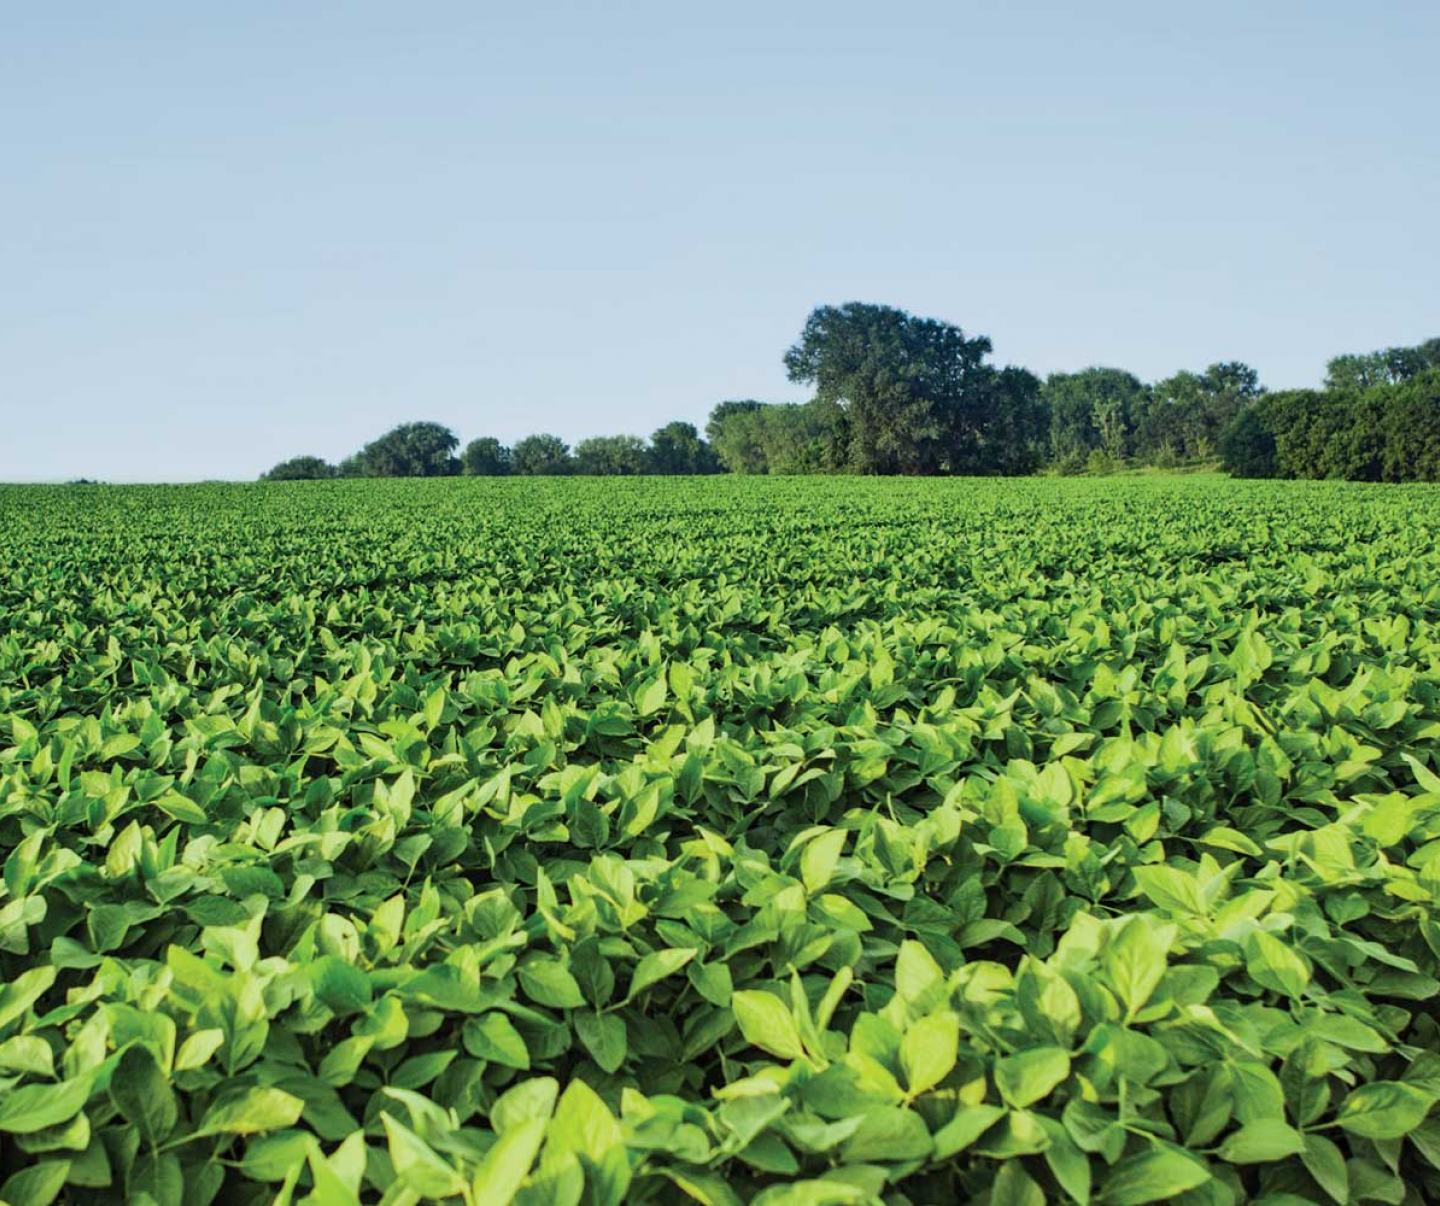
795 841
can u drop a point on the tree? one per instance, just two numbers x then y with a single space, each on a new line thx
486 457
1412 429
1346 439
726 410
1013 440
412 450
299 468
784 438
906 394
797 437
1247 445
541 456
734 434
1110 423
1094 409
1388 432
1184 415
1356 373
612 456
1335 434
678 448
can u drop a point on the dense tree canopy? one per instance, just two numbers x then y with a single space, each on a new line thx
906 394
783 438
1181 418
1247 445
897 394
1094 410
725 411
1387 366
1012 437
541 456
1387 432
612 456
1412 429
1330 434
299 468
735 438
677 448
411 450
486 457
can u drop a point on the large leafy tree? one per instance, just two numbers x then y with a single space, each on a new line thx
1094 410
1387 366
678 448
783 438
486 457
541 456
1013 438
1412 429
797 437
734 433
612 456
1388 432
1340 438
1182 417
412 450
1247 444
299 468
1334 434
908 395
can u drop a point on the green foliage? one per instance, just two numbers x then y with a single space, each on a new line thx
1182 417
1100 462
411 450
897 394
1340 438
485 457
1009 436
541 456
1093 410
1411 423
1387 433
772 840
677 448
1378 419
914 395
788 438
1100 417
612 456
300 468
736 441
1247 444
1389 366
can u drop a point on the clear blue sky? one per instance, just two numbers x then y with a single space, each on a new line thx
230 233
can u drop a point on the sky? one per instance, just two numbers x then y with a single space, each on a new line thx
234 233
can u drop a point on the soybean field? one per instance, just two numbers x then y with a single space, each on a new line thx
784 840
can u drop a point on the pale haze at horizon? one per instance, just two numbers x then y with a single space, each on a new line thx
230 235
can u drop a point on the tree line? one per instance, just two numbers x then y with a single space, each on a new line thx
892 393
1376 419
425 449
